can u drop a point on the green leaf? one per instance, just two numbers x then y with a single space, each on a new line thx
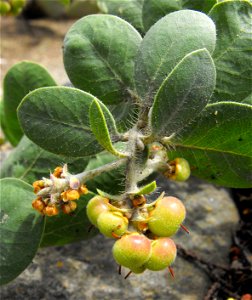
218 144
21 228
64 229
65 2
248 99
166 43
29 162
147 189
153 10
129 10
100 117
233 53
21 78
184 93
57 119
99 52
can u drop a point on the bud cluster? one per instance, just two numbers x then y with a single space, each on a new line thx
143 232
59 192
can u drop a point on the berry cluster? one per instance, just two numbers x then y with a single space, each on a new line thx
59 192
143 232
11 7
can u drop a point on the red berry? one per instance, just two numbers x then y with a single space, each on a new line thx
166 217
163 254
132 251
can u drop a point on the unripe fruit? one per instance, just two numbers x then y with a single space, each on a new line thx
181 169
166 217
132 251
110 223
138 270
163 254
95 207
4 8
18 3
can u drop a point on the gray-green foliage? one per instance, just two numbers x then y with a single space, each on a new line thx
21 79
21 228
161 85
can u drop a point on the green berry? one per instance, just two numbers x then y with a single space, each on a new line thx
181 169
112 224
138 270
166 217
132 251
95 207
18 3
163 254
4 8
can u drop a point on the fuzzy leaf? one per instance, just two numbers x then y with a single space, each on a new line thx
129 10
147 189
21 79
233 53
100 117
99 52
64 229
29 162
166 43
184 93
153 10
57 119
21 228
218 144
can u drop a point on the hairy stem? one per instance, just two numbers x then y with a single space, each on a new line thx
90 174
130 185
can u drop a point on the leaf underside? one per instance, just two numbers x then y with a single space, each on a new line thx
184 93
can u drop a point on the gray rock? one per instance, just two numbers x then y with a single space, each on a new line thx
87 270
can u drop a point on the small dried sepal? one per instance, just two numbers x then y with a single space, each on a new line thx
70 195
51 210
38 185
69 207
38 204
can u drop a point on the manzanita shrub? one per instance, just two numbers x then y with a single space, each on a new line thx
175 101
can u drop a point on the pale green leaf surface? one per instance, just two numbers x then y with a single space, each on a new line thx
147 189
20 79
218 144
21 228
129 10
153 10
57 119
100 117
233 52
166 43
184 93
99 52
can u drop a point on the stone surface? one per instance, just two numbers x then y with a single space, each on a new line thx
87 270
